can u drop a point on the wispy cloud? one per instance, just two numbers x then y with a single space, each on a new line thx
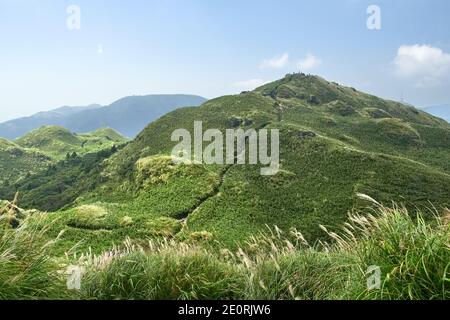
424 63
249 84
309 62
276 62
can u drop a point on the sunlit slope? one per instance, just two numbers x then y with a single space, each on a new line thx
17 162
36 151
57 142
335 142
387 150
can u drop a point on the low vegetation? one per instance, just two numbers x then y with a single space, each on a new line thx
58 184
39 149
58 142
413 258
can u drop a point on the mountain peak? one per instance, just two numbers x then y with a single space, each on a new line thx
310 88
47 135
108 133
311 91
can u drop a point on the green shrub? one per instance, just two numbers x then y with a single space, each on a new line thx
163 226
90 217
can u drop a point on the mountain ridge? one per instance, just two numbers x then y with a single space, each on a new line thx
128 115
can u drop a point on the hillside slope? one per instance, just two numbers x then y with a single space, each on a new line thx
40 148
335 142
17 162
56 142
128 115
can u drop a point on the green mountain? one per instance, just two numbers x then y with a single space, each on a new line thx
56 142
45 146
17 162
335 142
128 115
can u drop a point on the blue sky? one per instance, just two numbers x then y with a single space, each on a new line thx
212 48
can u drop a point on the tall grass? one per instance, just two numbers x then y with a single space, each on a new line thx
412 255
165 270
26 270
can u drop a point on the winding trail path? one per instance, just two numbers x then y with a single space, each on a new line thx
183 215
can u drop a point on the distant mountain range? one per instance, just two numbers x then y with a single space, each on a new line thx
442 111
128 115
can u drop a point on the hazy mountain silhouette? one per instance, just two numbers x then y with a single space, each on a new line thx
128 115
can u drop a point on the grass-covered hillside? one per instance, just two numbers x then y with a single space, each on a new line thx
200 231
57 142
37 150
17 162
335 142
409 255
59 183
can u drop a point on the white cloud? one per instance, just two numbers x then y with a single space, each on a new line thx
277 62
248 85
426 64
309 62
